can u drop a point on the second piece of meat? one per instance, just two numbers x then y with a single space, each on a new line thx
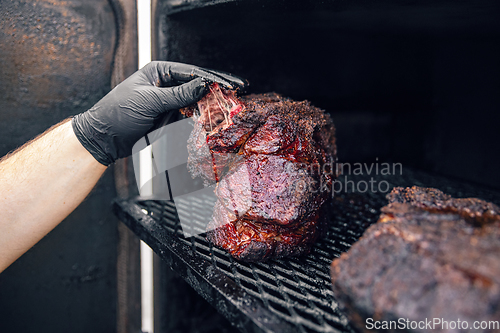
430 257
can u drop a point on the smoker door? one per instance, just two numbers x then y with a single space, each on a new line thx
56 60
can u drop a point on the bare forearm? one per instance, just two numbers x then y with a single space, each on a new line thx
40 185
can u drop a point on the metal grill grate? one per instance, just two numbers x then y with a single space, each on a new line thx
289 295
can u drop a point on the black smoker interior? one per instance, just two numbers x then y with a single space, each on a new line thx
411 82
414 82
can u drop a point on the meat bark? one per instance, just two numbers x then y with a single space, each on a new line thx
259 150
429 256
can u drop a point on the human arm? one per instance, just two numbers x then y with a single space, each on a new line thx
41 183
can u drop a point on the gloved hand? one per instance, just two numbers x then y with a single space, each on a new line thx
111 127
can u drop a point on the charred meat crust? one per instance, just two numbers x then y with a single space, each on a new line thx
258 159
476 211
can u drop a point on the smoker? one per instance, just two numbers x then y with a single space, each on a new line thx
409 84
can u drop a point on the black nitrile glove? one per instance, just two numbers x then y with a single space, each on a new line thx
111 127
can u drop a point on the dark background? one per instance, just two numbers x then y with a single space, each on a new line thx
415 82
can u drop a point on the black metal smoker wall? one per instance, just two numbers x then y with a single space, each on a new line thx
55 61
415 82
